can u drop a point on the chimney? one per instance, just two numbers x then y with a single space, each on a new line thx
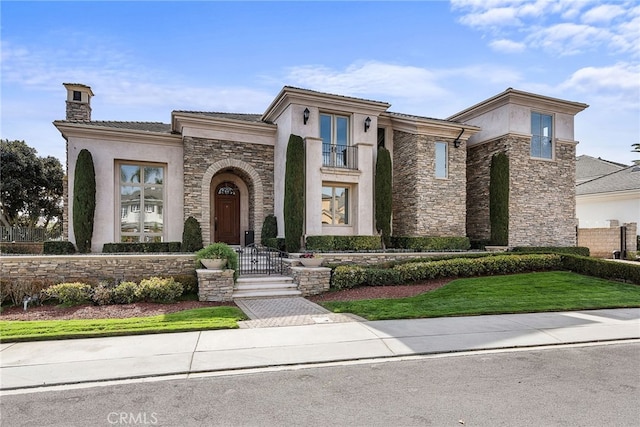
78 102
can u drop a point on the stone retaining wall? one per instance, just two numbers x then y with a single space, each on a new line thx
215 285
311 281
603 241
94 268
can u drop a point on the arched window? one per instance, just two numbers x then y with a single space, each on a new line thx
227 189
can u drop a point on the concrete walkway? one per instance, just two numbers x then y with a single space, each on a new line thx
179 355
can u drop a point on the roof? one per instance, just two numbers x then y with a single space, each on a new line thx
588 168
413 116
257 118
139 126
624 179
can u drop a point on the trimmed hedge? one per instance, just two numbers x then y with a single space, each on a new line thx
425 244
159 289
275 243
604 269
572 250
70 293
58 248
342 243
349 276
149 247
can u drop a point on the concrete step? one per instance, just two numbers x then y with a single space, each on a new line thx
272 293
265 287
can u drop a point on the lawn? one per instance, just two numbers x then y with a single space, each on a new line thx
518 293
188 320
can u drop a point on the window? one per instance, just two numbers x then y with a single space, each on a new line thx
441 160
77 95
141 185
541 136
336 152
335 205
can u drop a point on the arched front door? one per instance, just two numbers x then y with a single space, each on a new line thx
227 214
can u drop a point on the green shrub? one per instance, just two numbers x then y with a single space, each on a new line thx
604 269
191 236
426 244
383 195
499 199
189 283
294 194
102 294
125 293
54 247
342 243
269 228
159 289
348 276
275 243
84 201
382 276
17 290
147 247
572 250
70 293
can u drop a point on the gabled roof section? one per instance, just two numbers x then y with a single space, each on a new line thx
627 179
156 127
255 118
430 126
513 96
293 95
588 168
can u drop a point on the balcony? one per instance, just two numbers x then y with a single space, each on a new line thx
340 156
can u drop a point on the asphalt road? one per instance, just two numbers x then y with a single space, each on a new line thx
556 386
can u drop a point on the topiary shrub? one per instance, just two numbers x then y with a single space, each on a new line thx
294 194
426 243
574 250
84 201
125 293
191 235
142 247
157 289
53 247
70 293
269 228
499 199
383 195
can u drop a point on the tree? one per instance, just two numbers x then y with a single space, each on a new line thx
636 148
84 201
499 199
191 235
294 194
383 195
31 186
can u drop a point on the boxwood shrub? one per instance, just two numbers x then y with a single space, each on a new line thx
54 247
343 243
424 244
573 250
604 269
157 289
149 247
70 293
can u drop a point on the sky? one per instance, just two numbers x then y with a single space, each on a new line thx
144 59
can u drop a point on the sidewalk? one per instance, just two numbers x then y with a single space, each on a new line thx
47 363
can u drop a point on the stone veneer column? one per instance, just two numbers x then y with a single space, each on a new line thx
311 281
215 285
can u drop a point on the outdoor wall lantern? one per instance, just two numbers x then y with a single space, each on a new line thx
367 123
457 142
305 115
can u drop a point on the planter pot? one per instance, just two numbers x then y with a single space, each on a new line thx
311 262
213 264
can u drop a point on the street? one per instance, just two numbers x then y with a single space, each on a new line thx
594 385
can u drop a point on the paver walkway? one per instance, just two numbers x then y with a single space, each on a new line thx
292 311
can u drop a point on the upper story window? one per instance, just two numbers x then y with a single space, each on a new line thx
335 205
77 95
541 135
336 149
141 185
442 163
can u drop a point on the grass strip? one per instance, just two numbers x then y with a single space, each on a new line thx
182 321
518 293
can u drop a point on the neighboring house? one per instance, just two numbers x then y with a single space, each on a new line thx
606 191
227 170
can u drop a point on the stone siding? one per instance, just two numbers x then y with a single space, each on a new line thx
603 241
424 205
93 268
311 281
541 193
200 155
78 111
215 285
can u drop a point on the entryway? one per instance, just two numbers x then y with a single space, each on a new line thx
226 220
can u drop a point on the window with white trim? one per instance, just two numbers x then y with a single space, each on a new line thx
541 135
141 185
442 163
334 131
335 205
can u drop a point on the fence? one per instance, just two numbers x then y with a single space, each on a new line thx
260 260
24 234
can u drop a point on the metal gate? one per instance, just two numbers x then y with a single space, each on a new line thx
254 259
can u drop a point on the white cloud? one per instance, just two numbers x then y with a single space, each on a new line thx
602 14
568 38
507 46
502 16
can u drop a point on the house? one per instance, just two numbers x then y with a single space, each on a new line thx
227 170
606 191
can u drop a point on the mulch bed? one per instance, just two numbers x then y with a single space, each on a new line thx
120 311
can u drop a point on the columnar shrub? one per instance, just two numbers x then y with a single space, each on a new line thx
191 235
84 200
70 293
269 228
158 289
383 194
294 194
499 199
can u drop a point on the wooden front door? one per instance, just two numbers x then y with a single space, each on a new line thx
227 214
